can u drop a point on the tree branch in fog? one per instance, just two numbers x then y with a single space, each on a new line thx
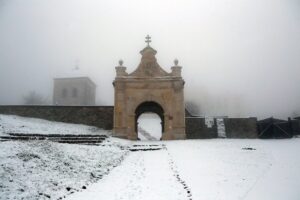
193 108
33 98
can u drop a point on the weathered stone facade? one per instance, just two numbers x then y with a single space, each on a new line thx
149 89
74 91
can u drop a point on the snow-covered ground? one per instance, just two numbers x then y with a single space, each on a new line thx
17 124
232 169
151 123
41 169
207 169
212 169
44 169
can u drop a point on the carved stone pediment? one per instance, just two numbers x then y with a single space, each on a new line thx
148 66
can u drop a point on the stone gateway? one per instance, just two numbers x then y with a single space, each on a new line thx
149 89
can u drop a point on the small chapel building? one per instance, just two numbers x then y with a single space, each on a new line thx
74 91
149 89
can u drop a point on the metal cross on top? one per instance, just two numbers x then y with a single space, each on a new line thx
148 39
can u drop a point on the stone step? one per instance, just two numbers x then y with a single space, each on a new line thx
52 138
59 141
79 141
71 139
20 138
55 135
77 138
146 147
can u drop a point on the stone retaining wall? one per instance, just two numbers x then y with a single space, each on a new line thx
100 116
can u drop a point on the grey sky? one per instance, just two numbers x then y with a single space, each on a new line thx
239 58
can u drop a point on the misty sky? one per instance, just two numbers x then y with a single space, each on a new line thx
239 58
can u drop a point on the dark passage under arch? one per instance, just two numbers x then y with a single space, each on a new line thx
149 106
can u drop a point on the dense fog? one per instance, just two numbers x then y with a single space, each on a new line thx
239 58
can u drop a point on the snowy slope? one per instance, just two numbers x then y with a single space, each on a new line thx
143 176
222 169
44 169
226 169
41 169
17 124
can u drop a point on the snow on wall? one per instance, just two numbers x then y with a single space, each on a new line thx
209 122
221 128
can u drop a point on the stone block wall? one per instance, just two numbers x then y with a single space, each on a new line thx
99 116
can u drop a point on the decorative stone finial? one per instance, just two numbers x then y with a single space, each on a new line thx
121 62
176 70
121 70
176 62
148 40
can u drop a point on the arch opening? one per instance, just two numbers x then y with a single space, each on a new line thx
149 121
149 126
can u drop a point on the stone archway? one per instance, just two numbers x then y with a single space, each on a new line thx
149 83
149 106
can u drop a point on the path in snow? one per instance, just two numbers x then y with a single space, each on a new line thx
142 175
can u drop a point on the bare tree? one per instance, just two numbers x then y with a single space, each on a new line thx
295 114
33 98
